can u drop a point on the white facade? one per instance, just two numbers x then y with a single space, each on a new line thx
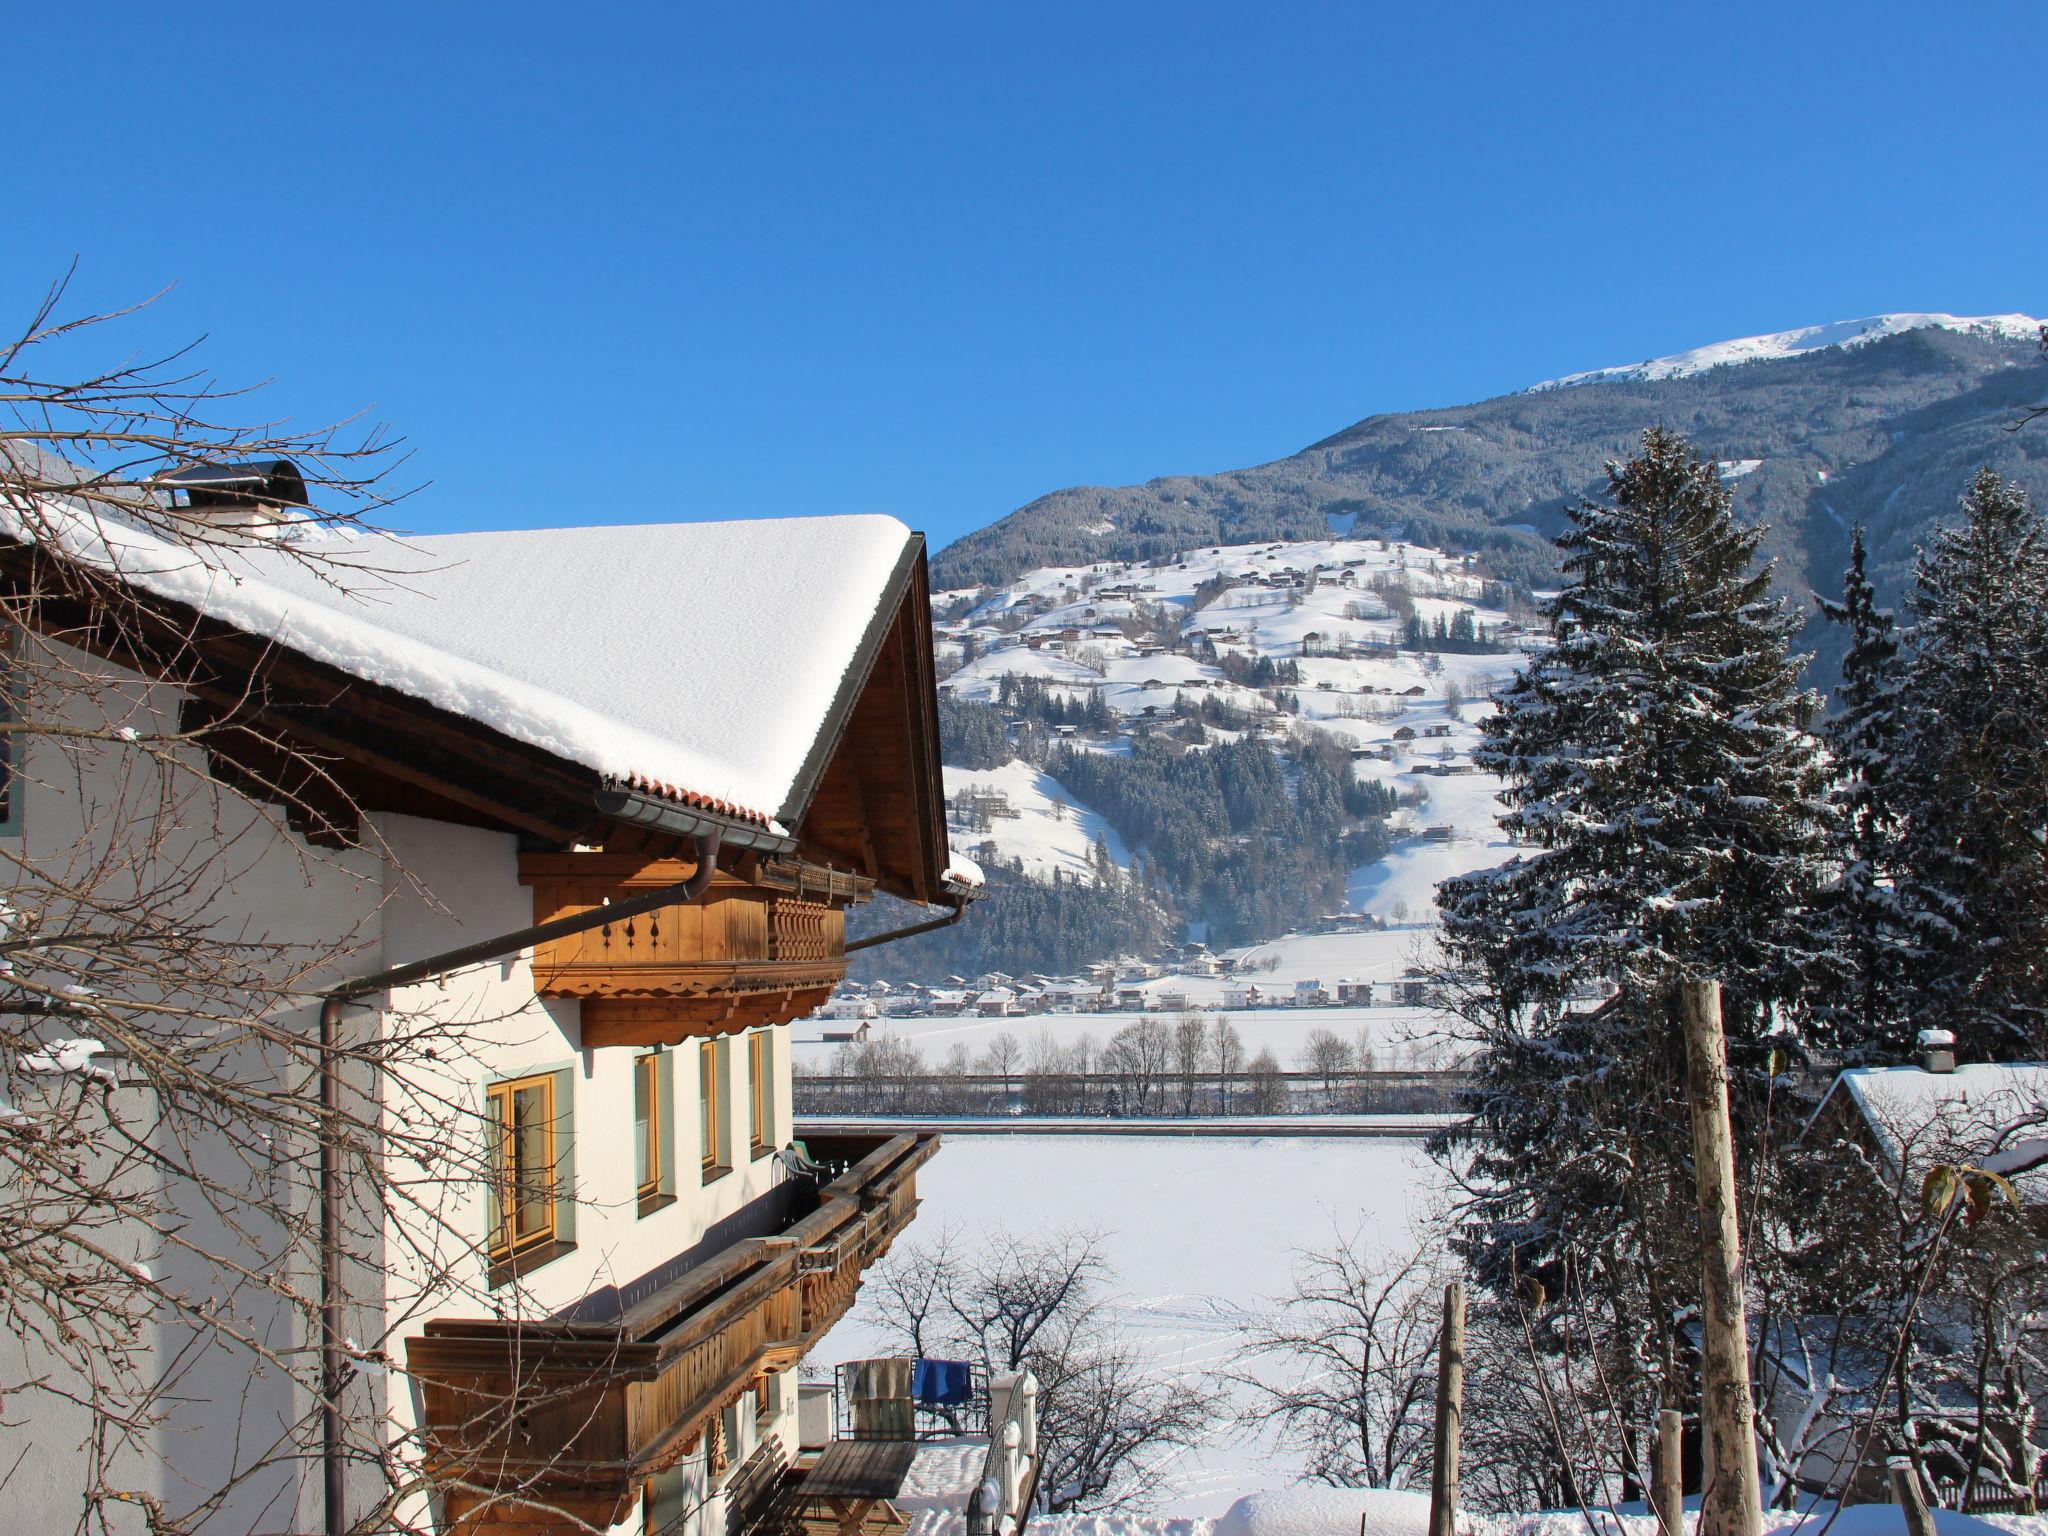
432 886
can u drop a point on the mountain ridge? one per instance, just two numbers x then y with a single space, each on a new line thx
1773 345
1883 432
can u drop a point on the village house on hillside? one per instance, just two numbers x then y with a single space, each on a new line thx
591 805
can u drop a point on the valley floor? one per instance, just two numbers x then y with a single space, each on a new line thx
1203 1234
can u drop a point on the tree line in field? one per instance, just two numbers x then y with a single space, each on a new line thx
1460 635
1165 1067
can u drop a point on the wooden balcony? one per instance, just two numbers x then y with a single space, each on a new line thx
532 1427
762 946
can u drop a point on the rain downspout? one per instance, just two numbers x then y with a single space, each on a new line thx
959 911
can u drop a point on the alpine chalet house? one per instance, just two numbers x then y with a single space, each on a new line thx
596 801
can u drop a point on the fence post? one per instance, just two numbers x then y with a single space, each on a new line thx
1908 1495
1450 1414
1731 1503
1667 1473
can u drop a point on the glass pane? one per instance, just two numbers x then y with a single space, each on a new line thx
707 1104
645 1167
502 1173
531 1132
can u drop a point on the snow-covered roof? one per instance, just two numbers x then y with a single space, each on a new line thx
701 661
1919 1117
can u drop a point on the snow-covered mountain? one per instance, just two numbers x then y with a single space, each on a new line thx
1811 338
1878 422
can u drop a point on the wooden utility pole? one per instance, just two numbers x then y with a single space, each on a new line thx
1667 1473
1909 1496
1450 1414
1732 1502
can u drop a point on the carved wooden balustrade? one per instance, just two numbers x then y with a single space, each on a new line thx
531 1427
762 946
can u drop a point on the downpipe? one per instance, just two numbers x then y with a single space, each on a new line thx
959 911
333 1362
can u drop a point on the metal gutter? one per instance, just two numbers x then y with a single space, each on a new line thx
621 803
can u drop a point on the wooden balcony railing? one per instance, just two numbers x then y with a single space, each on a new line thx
759 948
534 1426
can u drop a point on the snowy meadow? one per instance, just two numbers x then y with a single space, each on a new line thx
1203 1235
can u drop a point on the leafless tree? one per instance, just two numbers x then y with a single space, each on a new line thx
1001 1057
1226 1049
1190 1054
1037 1303
1139 1055
1265 1088
1328 1055
1344 1365
909 1291
159 1128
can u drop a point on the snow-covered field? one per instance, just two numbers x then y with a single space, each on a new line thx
1202 1233
1051 830
1401 1038
1317 1511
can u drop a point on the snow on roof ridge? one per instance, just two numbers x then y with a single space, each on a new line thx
1977 1097
1812 338
270 595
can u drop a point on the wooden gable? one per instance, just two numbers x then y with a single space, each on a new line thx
874 800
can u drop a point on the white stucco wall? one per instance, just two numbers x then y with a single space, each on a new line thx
432 887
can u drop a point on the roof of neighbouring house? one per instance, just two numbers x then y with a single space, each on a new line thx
1917 1117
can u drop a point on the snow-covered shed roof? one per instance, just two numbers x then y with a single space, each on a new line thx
714 664
1917 1118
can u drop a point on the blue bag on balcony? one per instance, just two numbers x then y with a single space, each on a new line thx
942 1383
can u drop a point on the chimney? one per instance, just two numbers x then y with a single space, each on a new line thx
1937 1050
234 502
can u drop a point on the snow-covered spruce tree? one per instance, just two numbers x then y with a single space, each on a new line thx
1655 760
1970 777
1858 1004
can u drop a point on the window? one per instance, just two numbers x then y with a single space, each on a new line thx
11 745
649 1133
711 1101
761 1092
522 1115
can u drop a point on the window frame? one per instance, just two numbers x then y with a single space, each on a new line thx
713 1108
761 1092
12 744
504 1245
652 1139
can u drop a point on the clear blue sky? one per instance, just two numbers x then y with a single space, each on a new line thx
625 263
